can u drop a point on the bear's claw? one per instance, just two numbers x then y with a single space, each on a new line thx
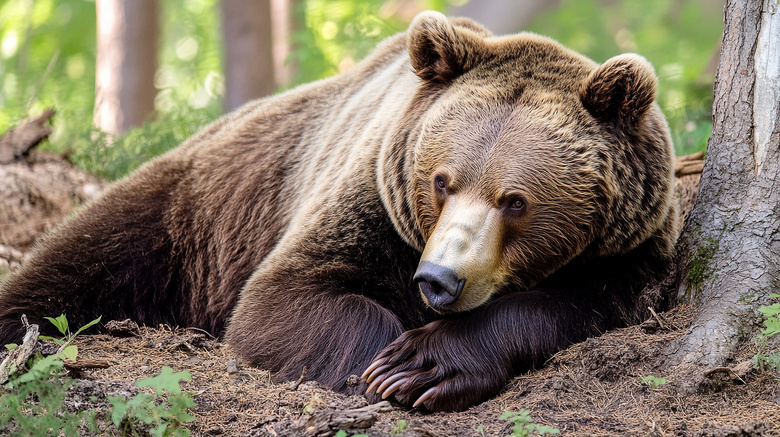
436 367
392 384
374 370
425 396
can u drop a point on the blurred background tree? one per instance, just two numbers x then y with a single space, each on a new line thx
127 34
49 52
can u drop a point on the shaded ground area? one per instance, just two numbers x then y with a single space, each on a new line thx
590 389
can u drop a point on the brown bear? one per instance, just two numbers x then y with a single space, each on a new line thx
447 214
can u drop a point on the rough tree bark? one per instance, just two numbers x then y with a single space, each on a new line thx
127 33
730 246
249 61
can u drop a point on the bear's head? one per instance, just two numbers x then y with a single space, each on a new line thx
523 157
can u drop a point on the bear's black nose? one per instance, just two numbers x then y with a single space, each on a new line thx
439 284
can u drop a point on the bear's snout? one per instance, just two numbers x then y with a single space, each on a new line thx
440 285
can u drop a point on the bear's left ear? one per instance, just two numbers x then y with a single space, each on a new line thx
439 51
620 90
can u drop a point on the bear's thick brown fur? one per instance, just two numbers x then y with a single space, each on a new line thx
448 213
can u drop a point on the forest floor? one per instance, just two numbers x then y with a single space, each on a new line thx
590 389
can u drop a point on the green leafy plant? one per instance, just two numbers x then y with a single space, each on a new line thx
34 403
67 351
400 427
524 424
342 433
766 360
771 313
165 417
653 382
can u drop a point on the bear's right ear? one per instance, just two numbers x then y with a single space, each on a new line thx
439 52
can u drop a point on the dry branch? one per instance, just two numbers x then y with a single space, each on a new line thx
76 368
698 156
660 322
294 386
18 141
84 364
328 421
688 168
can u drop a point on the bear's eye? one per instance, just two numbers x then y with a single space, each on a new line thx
440 184
516 203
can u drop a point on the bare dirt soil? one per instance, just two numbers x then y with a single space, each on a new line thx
590 389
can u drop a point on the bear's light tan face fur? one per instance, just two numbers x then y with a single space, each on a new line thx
499 201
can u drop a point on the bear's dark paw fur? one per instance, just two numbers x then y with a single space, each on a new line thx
436 367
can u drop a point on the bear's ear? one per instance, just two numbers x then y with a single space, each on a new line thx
620 90
468 23
439 51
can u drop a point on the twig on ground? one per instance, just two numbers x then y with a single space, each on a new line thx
327 421
658 318
202 331
294 385
689 165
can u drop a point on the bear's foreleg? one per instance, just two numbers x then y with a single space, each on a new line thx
285 324
463 359
453 363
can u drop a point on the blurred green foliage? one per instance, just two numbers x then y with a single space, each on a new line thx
679 37
189 86
339 33
44 62
47 59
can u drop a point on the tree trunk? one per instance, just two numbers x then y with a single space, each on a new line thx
249 61
287 19
127 33
730 246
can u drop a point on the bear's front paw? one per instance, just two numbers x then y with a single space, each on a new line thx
434 367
